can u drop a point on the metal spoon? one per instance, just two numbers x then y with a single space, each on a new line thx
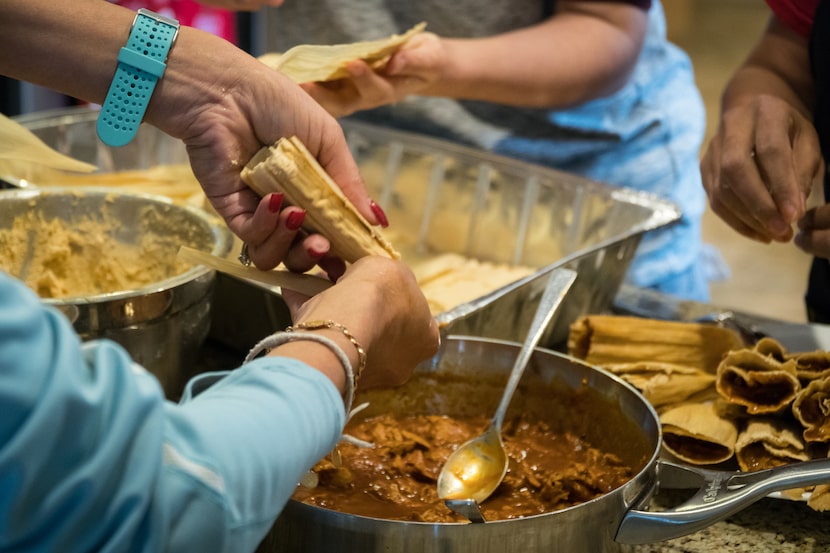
478 466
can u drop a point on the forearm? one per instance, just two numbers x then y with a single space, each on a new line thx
586 51
777 66
62 45
72 47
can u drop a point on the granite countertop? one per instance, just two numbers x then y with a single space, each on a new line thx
777 525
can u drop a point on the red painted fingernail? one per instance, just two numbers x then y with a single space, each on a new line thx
275 202
314 253
378 211
295 220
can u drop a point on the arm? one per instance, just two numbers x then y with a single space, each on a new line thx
760 166
220 101
585 51
92 455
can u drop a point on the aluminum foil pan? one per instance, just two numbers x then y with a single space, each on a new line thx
445 198
502 210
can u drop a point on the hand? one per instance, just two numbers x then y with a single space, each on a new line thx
225 105
814 232
410 70
381 304
759 168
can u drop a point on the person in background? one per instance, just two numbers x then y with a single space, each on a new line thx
774 133
591 88
92 457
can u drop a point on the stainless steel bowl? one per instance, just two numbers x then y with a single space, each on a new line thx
162 324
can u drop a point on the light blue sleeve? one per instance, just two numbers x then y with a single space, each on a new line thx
93 458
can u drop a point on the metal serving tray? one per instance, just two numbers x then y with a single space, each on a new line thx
499 209
449 198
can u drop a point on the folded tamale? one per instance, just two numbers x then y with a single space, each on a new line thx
698 434
607 339
770 347
758 379
812 409
811 365
768 442
289 167
663 383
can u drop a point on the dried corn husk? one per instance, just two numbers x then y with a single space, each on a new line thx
327 62
758 380
175 181
812 409
289 167
811 365
608 339
768 442
24 156
698 434
663 383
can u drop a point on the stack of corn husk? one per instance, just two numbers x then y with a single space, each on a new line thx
719 399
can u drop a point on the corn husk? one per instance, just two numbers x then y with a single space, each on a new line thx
609 339
327 62
812 409
663 383
811 365
24 156
758 380
768 442
698 434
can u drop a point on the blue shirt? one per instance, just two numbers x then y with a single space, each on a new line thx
93 458
645 136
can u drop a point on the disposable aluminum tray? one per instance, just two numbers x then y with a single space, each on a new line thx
444 198
503 210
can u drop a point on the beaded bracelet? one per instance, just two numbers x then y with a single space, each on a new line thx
318 324
280 338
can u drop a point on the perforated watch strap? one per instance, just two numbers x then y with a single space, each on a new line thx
141 63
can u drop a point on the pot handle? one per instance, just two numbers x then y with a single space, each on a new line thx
721 494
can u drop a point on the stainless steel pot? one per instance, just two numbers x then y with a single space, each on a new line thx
163 324
612 414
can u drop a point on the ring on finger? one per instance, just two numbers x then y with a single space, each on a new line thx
243 255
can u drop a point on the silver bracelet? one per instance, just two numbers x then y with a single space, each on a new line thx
280 338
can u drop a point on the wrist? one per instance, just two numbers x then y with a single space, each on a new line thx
189 83
452 77
317 356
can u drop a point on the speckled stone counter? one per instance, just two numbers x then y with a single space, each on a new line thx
774 525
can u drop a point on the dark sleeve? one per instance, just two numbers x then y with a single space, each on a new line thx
795 14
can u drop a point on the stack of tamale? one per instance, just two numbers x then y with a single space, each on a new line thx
718 398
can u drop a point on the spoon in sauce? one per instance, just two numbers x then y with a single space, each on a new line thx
478 466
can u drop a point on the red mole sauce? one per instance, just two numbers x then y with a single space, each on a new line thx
396 479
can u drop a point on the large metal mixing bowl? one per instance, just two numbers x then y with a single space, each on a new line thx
162 324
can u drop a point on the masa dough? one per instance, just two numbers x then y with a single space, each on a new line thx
59 261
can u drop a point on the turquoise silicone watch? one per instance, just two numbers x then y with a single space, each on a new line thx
141 64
